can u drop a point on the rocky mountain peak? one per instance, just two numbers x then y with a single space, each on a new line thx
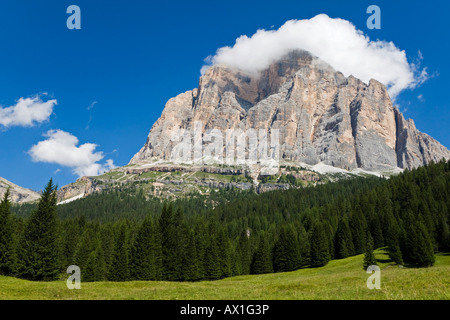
322 116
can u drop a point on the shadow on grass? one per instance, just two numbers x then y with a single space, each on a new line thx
384 260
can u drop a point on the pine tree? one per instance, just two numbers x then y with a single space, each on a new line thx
224 257
235 262
245 255
168 244
107 241
95 269
69 240
145 254
369 256
192 261
286 251
179 245
262 262
358 227
212 267
84 249
443 233
201 246
376 232
343 240
425 248
320 253
418 247
7 254
120 260
89 274
305 247
39 256
393 240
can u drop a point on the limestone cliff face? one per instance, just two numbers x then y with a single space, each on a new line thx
321 115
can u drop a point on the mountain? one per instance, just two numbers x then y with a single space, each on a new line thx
18 194
322 116
330 126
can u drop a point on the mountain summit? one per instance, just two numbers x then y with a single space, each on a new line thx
322 116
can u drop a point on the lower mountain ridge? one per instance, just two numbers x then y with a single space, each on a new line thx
17 194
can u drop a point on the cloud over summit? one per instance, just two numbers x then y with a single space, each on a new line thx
336 41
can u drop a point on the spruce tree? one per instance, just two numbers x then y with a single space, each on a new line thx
145 256
84 249
69 240
39 256
235 262
369 256
305 247
7 254
179 245
343 240
425 248
320 253
201 246
286 251
212 267
192 262
376 232
89 274
393 240
120 260
262 262
418 248
107 241
95 269
224 258
245 255
358 227
168 244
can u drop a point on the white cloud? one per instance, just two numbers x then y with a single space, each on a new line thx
336 41
91 105
61 148
27 112
421 98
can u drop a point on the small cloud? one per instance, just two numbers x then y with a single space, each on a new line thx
27 112
421 98
92 105
57 171
420 55
88 123
62 148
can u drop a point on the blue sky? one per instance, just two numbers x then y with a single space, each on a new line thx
112 78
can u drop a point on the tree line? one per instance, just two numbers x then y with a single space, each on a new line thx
186 240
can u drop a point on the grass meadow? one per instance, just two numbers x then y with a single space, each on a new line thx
339 280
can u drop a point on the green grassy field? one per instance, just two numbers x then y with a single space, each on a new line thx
340 279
